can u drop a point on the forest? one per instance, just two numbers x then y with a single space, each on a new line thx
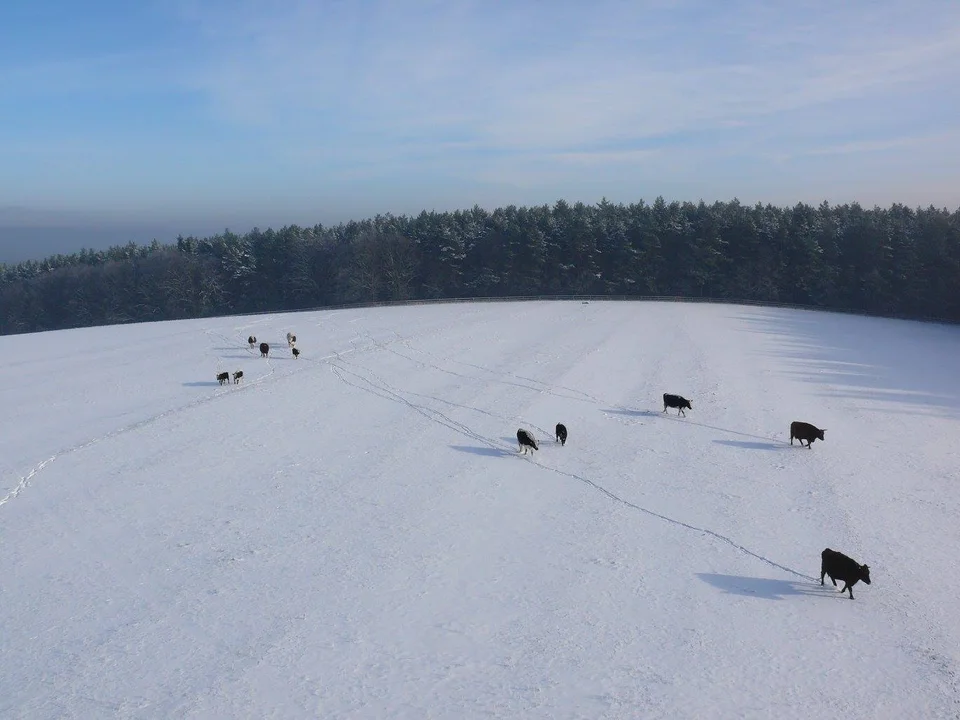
896 261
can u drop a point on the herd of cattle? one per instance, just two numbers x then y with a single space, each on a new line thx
834 564
224 377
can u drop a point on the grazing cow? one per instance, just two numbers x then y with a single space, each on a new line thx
526 440
676 401
561 434
237 376
223 377
840 567
264 349
291 339
805 431
252 340
296 353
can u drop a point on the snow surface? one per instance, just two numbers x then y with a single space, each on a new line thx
354 534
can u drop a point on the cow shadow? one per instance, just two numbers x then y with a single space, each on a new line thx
766 588
750 445
542 441
484 451
201 383
634 413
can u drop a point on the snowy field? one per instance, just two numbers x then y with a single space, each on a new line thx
353 534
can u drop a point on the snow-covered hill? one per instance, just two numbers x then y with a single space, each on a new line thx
353 534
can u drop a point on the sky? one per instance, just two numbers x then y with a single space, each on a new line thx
190 115
355 534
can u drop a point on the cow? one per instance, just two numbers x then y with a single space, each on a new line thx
291 339
676 401
561 434
805 431
840 567
264 349
526 440
296 353
252 340
237 377
223 377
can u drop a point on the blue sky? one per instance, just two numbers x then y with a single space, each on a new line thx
196 114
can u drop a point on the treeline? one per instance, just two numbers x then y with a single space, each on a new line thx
896 261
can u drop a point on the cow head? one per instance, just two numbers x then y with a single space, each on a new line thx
865 573
820 434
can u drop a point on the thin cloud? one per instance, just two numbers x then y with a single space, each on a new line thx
280 102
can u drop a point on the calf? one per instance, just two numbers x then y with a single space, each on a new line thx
223 377
237 377
561 434
264 349
676 401
291 339
296 353
252 340
840 567
526 440
805 431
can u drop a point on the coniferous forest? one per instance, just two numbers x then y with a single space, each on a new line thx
895 261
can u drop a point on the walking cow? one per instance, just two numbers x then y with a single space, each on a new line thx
561 431
264 349
840 567
526 440
676 401
805 431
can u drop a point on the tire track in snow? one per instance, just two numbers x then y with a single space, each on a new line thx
383 389
673 521
387 393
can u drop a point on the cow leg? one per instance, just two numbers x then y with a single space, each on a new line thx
848 588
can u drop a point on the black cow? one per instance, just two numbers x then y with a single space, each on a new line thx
561 434
264 349
805 431
252 340
676 401
840 567
223 377
296 353
526 440
237 376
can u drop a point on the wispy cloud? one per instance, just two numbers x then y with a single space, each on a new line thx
300 98
548 76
